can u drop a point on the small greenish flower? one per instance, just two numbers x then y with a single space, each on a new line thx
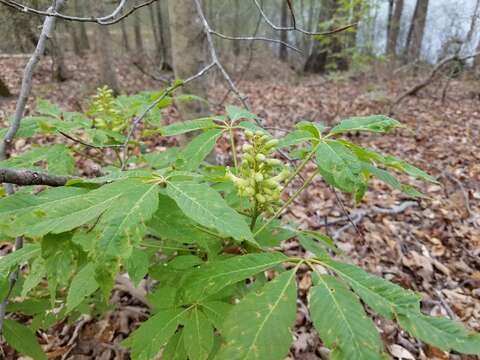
105 112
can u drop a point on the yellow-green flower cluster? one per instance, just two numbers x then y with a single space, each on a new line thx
105 112
260 176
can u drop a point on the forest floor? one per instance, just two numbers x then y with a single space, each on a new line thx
431 246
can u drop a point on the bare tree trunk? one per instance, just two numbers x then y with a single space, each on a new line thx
283 53
417 30
125 40
138 32
72 30
84 43
60 72
161 38
317 61
188 52
394 26
108 75
4 92
236 27
155 32
473 26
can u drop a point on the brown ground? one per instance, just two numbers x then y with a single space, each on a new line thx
433 248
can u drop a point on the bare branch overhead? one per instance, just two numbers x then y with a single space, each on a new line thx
295 28
109 19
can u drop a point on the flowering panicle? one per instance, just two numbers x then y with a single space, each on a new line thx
260 176
105 112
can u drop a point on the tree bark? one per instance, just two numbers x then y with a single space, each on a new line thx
188 53
155 32
138 33
394 26
283 53
60 71
236 28
417 30
4 92
125 40
108 75
84 43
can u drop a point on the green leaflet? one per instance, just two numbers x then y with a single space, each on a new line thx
198 149
170 223
37 272
247 125
314 128
259 326
374 123
197 335
342 323
137 266
22 339
147 341
175 348
396 163
383 175
17 257
213 277
216 312
123 224
339 166
83 285
57 157
205 206
179 127
443 333
384 297
296 137
53 210
235 113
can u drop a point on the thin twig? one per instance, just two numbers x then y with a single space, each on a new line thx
294 28
103 20
166 93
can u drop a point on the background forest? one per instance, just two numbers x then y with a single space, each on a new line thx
109 102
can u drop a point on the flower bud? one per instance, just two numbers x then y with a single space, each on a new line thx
260 157
247 148
274 162
258 177
261 199
250 191
271 143
248 134
258 133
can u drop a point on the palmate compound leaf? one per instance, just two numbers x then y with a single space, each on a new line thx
205 206
22 339
374 123
147 341
183 127
442 333
259 326
341 322
213 277
197 335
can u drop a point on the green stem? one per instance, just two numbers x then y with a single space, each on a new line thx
288 202
300 167
234 150
254 216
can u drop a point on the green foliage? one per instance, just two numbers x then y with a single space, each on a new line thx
222 289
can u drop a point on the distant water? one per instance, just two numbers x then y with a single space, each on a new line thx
446 19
